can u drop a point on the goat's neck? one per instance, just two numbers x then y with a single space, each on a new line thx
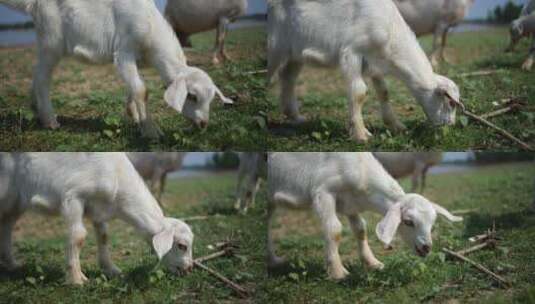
169 62
146 216
384 195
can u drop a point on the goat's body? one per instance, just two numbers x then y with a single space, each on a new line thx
524 26
154 167
362 38
402 164
99 186
188 17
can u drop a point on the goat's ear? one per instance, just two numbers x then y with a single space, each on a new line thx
163 242
222 97
176 94
442 211
386 228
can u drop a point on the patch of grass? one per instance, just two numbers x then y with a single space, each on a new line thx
89 101
323 96
499 194
40 244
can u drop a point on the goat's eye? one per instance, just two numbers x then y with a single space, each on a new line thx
182 247
408 223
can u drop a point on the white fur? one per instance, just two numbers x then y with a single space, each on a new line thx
361 38
348 184
434 16
401 164
188 17
99 186
154 167
250 173
524 26
122 32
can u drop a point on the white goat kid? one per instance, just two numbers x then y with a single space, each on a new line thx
348 184
362 38
154 167
401 164
122 32
250 173
188 17
100 186
436 17
524 26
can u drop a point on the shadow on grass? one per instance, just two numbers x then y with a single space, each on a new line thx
53 274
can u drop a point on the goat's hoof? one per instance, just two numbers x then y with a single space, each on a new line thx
337 274
11 266
77 280
526 66
396 127
276 262
151 132
216 61
361 138
297 120
112 271
51 124
375 265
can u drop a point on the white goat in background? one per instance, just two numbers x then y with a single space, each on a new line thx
99 186
435 17
362 38
250 173
349 184
122 32
154 167
524 26
401 164
188 17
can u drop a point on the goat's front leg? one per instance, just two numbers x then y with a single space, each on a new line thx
136 105
358 225
73 212
6 242
288 101
219 48
389 118
324 206
104 258
526 66
42 76
419 168
239 191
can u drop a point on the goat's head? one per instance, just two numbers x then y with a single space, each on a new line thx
414 217
440 104
191 94
173 245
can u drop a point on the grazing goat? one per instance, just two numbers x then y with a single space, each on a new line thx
401 164
99 186
122 32
154 167
524 26
436 17
348 184
188 17
250 173
363 38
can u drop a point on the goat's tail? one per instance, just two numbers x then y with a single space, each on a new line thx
20 5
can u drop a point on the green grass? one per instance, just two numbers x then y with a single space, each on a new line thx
497 194
323 96
89 102
40 244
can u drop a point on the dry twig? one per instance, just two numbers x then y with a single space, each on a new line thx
479 73
242 292
213 255
478 266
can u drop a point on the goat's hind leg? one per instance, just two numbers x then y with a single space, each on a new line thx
288 101
219 48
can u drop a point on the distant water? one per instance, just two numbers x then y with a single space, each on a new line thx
11 38
451 168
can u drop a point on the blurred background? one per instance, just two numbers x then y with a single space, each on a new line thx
16 28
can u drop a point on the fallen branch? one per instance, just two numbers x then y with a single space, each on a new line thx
479 73
198 217
242 292
479 237
488 243
256 72
503 132
480 267
498 112
213 255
